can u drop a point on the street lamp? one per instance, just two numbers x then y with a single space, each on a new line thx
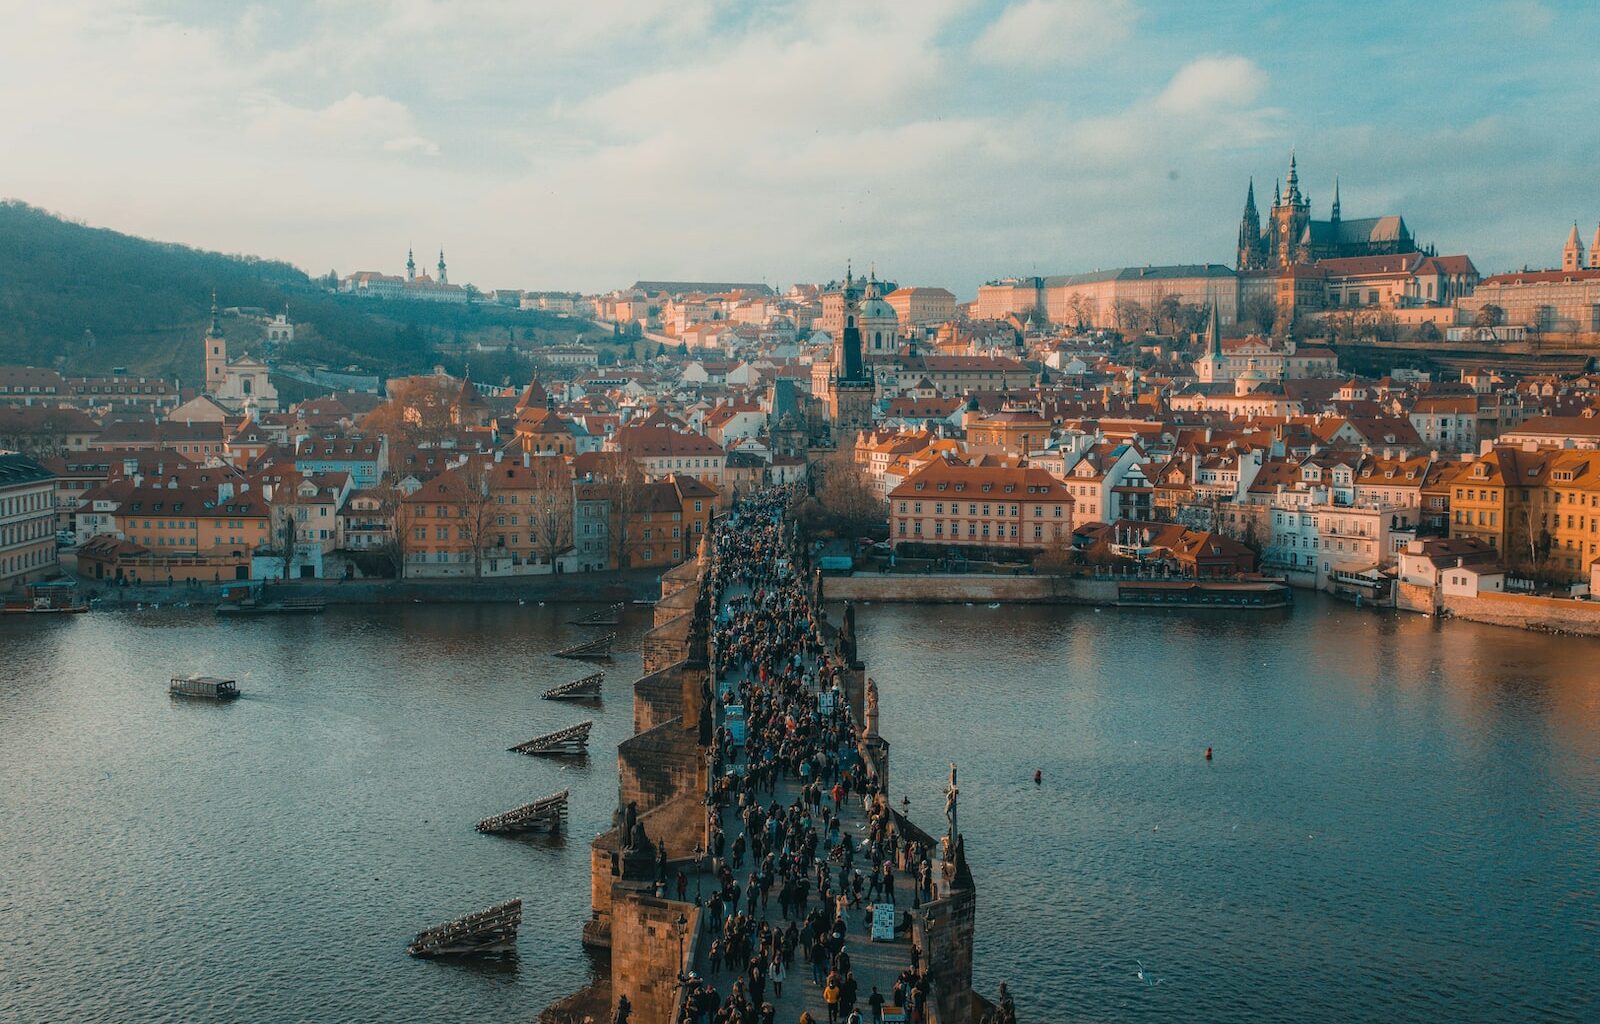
682 924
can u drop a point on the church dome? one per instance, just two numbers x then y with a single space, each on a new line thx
875 308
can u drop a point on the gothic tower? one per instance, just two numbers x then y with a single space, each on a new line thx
1250 255
1291 216
853 390
1334 218
216 351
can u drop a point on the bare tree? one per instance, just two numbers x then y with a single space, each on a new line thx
625 489
1489 315
473 493
551 515
402 514
848 503
1261 311
418 411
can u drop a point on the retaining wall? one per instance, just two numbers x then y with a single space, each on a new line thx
959 588
1546 614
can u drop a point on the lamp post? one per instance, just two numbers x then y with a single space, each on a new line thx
682 924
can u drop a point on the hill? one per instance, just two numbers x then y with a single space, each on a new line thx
88 299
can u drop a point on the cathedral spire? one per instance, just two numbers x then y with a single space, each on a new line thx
1214 332
1293 183
1335 217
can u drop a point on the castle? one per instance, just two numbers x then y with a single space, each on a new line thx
1290 237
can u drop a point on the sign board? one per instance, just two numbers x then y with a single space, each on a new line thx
734 713
825 702
894 1015
883 926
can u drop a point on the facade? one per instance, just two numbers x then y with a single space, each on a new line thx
1022 508
1097 298
242 383
27 522
1558 301
922 307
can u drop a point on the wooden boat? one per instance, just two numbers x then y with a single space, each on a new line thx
598 648
579 689
203 686
485 933
604 617
288 606
546 814
568 742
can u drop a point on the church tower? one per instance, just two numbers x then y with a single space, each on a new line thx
1250 255
1594 250
443 277
1334 218
1291 216
216 351
1572 255
411 265
853 391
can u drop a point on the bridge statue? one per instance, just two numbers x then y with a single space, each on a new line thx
951 791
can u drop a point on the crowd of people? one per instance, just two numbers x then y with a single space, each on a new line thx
795 882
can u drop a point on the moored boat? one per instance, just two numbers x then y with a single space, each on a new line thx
211 687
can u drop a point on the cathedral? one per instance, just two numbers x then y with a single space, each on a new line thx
1290 237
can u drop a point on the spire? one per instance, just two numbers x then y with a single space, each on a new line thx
1277 199
1250 196
411 264
1572 253
1594 250
442 277
849 273
1335 199
1214 333
1293 183
215 330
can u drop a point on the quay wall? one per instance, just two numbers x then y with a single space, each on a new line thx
1524 611
608 586
959 588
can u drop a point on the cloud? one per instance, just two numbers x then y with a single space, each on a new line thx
1045 32
1211 83
354 123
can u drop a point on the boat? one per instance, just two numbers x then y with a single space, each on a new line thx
573 741
485 933
52 597
203 686
578 689
546 814
599 648
604 617
288 606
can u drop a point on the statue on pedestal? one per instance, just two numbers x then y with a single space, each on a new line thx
872 707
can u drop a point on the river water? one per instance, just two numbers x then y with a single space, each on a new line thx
1401 821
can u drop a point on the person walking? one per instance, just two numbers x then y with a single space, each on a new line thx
776 974
830 995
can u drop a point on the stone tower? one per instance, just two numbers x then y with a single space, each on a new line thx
1594 250
443 277
1291 217
1251 256
880 325
411 265
216 351
1572 254
850 398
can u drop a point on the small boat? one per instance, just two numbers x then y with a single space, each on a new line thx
288 606
546 814
573 741
487 932
604 617
578 689
599 648
203 686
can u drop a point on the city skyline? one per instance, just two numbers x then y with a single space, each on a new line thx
606 142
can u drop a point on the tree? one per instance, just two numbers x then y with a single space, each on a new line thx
1167 313
473 493
1261 312
625 489
417 412
1489 315
1427 331
402 516
550 519
1079 307
846 498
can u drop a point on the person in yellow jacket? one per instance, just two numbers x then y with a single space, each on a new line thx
830 995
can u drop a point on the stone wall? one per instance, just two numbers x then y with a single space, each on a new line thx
1545 614
1415 597
946 931
666 644
647 952
655 766
960 588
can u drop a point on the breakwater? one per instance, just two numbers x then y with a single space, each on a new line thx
661 876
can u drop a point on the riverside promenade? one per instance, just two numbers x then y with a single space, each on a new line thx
754 833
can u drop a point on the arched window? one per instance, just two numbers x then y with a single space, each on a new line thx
244 383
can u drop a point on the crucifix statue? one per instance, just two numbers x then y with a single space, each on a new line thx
950 794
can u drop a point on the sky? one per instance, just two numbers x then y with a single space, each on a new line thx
584 144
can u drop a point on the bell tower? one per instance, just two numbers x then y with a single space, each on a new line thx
216 351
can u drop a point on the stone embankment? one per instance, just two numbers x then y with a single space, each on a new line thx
1524 611
590 586
961 588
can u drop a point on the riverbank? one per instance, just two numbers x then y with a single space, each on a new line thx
629 585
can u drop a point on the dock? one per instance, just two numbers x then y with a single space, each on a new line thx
546 814
485 933
587 688
598 649
569 742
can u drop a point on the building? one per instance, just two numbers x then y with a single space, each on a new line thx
1556 301
1289 236
1106 298
365 458
414 286
846 382
241 383
922 307
1017 507
27 522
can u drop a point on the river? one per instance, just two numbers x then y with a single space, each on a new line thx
1400 822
